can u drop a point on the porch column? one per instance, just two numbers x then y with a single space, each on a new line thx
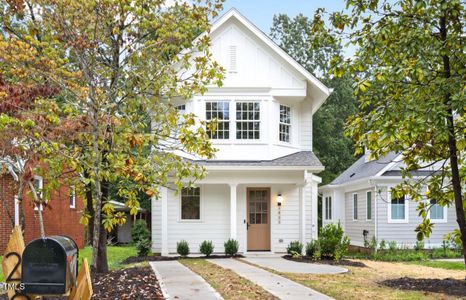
233 219
164 196
302 215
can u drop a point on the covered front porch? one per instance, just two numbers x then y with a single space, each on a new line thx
264 210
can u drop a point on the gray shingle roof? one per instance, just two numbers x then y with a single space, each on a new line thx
361 169
298 159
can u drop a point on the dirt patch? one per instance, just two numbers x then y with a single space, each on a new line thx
310 260
449 286
131 283
158 257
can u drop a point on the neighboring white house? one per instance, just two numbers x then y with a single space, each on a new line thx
261 189
361 201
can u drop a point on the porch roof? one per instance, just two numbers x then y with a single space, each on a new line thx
298 159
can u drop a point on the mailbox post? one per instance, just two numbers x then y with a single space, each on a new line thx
50 266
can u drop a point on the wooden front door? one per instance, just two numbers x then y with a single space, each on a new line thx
258 215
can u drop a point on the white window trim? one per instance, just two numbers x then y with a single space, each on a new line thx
389 209
236 121
73 192
357 206
445 217
325 208
229 121
41 186
372 206
201 208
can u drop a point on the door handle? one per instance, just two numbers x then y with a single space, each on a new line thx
247 226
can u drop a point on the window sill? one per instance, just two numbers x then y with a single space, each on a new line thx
396 221
190 221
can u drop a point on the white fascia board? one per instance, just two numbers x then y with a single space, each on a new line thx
265 39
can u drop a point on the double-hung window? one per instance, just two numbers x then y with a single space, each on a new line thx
355 206
247 120
285 123
437 212
328 208
191 203
369 205
219 111
398 208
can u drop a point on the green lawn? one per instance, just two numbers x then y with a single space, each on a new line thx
115 254
449 265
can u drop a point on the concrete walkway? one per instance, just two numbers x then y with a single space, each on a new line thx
179 282
278 286
288 266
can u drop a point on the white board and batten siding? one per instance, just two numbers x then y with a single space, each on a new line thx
215 214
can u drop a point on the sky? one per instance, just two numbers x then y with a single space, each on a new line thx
261 12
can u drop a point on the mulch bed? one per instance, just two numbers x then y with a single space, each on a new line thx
449 286
131 283
158 257
310 260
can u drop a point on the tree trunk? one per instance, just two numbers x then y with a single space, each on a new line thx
102 249
90 211
453 150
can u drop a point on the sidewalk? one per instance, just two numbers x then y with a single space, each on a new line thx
179 282
278 286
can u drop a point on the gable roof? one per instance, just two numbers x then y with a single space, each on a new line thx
233 13
301 159
362 169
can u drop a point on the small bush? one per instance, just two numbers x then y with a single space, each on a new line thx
382 245
295 254
312 249
139 231
295 246
419 246
182 248
333 243
206 248
143 247
392 246
231 247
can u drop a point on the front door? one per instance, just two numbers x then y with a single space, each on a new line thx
258 219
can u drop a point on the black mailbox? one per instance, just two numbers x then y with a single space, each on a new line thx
50 266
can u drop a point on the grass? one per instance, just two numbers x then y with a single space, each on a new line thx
449 265
115 255
364 283
229 284
2 278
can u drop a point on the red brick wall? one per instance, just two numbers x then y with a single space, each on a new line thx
59 218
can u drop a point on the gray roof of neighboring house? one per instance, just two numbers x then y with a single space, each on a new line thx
298 159
361 169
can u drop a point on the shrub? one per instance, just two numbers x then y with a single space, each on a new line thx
139 231
333 243
143 247
313 249
373 243
182 248
295 246
419 246
392 246
231 247
382 245
295 254
206 248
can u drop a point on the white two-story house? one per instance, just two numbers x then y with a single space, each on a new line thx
261 189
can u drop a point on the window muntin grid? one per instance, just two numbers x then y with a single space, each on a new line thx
285 123
248 120
220 111
191 203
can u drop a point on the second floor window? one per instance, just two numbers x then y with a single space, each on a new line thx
285 123
219 111
248 120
